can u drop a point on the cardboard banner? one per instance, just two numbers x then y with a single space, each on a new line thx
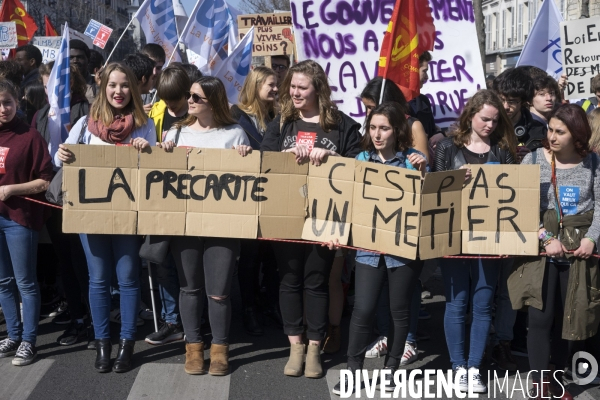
345 36
272 33
501 210
218 193
581 62
48 45
8 35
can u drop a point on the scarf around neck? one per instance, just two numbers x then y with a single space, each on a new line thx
116 132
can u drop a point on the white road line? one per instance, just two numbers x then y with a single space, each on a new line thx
158 381
17 383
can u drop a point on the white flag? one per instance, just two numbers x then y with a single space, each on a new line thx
59 96
157 20
207 33
542 48
234 70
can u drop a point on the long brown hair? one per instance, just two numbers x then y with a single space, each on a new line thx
249 99
594 120
216 95
102 110
578 125
503 135
395 114
328 113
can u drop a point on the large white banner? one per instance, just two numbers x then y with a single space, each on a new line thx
344 36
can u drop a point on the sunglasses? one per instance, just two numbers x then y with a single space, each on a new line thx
195 98
278 67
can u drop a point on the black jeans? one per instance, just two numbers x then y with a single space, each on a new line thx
304 276
205 268
369 282
547 323
252 253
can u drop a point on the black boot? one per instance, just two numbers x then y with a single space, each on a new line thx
123 362
251 324
103 350
274 313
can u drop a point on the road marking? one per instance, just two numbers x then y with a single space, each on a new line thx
159 381
17 383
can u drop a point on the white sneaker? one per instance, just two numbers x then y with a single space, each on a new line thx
115 316
476 385
461 379
378 348
410 354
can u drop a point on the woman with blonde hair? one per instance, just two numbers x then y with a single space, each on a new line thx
256 108
484 135
312 128
116 117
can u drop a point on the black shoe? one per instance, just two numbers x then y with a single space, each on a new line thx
251 324
72 334
63 319
8 347
337 389
166 333
25 354
91 345
103 350
124 359
274 313
53 309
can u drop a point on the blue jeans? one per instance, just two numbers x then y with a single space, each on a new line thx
18 258
468 281
168 287
102 252
505 315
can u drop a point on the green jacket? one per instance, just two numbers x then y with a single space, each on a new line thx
157 113
582 307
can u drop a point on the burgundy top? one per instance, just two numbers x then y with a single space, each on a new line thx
24 157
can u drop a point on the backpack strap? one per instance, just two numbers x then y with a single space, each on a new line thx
83 128
177 135
534 157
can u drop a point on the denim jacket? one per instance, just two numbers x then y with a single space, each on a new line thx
400 160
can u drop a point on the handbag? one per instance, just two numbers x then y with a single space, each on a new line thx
54 194
155 248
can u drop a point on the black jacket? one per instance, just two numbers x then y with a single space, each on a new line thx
348 128
420 108
448 156
254 136
79 108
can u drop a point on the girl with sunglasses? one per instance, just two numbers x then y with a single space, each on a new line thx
205 265
117 117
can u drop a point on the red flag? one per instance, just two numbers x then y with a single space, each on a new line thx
50 31
410 33
13 10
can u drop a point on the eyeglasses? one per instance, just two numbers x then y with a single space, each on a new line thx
279 67
195 98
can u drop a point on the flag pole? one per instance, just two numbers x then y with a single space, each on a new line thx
118 41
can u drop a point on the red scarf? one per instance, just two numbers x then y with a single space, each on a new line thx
117 132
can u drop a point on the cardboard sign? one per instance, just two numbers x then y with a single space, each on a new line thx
8 35
48 45
100 190
579 42
98 32
330 188
387 205
345 37
272 33
501 210
440 224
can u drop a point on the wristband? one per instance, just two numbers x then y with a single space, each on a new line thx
590 239
547 242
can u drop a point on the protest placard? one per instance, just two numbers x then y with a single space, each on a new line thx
345 37
48 45
272 33
73 34
580 57
8 35
501 210
98 32
100 190
214 192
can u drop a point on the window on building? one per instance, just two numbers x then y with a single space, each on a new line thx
531 13
563 8
488 31
520 24
503 38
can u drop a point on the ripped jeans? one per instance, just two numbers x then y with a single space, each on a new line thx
205 267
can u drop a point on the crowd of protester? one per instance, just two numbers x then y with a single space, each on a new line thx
519 119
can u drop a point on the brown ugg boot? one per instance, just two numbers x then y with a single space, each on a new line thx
313 368
219 359
294 364
194 359
333 342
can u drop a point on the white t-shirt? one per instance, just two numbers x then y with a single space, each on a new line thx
218 138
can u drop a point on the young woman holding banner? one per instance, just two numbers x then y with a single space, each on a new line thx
117 117
561 289
205 265
389 142
310 127
25 170
256 108
484 135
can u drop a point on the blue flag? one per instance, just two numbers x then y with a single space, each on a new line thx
59 96
234 69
